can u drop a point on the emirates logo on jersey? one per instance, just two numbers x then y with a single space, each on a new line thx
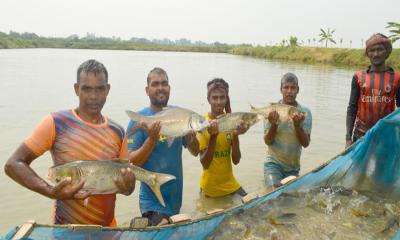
376 97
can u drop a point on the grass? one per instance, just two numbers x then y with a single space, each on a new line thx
334 56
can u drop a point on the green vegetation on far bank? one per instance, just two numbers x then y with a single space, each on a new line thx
334 56
31 40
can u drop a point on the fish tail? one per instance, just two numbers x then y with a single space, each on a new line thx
152 179
161 178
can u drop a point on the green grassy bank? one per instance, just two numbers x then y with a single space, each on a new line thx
335 56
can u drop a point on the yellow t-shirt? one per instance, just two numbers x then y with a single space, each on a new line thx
218 179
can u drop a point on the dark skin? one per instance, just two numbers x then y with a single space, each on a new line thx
218 100
92 91
158 90
289 92
377 55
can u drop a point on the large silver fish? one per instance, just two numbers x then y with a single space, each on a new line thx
175 122
98 175
230 121
285 111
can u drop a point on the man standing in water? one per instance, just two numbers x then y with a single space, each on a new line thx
151 151
374 91
82 133
286 139
219 150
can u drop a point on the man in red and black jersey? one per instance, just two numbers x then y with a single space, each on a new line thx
374 91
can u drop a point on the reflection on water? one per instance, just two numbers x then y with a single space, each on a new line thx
35 82
331 213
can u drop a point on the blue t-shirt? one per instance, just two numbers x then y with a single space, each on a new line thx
163 159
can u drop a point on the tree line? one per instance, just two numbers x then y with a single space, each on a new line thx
91 41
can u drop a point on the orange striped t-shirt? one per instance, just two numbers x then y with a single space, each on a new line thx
69 138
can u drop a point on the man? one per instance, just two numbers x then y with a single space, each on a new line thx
286 139
374 91
82 133
150 151
219 150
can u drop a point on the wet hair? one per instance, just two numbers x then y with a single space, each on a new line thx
289 77
91 66
158 71
219 83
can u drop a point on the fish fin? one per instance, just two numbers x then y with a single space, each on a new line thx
163 110
252 108
134 116
170 141
161 178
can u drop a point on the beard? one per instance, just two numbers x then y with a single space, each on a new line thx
159 103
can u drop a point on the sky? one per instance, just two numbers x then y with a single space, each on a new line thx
234 21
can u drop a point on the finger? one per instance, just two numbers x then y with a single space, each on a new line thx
65 182
119 182
129 179
158 128
156 125
74 189
144 126
82 194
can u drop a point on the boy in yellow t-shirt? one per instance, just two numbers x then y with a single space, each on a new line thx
218 150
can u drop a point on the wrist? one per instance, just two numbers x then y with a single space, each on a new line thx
152 140
48 192
297 125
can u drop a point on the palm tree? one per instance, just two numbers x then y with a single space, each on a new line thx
327 36
396 31
293 41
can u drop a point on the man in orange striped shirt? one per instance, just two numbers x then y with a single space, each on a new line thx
82 133
375 92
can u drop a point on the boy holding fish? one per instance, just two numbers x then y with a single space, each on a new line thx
219 149
285 139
